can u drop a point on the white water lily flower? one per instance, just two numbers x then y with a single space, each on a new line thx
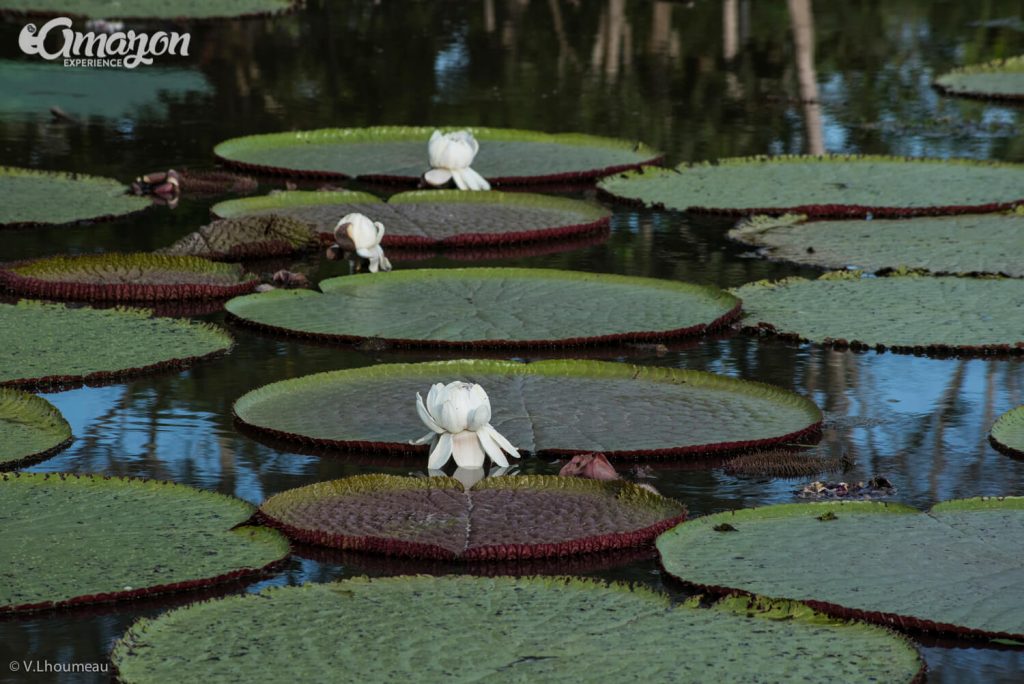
450 156
366 236
458 415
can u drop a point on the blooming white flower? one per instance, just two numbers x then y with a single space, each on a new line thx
366 236
458 415
450 156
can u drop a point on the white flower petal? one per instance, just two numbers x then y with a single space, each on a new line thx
429 437
441 453
467 451
500 439
437 177
481 414
454 416
435 400
425 416
460 182
474 180
492 448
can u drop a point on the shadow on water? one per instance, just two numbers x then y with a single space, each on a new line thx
699 80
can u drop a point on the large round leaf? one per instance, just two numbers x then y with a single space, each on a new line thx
910 314
29 197
247 237
547 406
957 568
968 244
491 307
1008 432
999 79
147 9
450 218
426 629
72 539
826 186
126 278
500 518
31 429
399 154
52 344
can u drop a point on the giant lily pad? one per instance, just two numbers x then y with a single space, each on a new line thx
554 407
998 79
29 197
247 237
126 278
31 429
907 313
826 186
73 539
491 307
503 629
147 9
449 218
399 154
957 568
970 244
1008 432
31 88
52 344
500 518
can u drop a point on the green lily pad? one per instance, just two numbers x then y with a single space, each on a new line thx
147 9
955 569
126 278
29 197
1008 432
75 539
491 307
500 518
247 237
970 244
502 629
902 313
432 218
831 185
552 407
32 88
31 429
998 79
54 345
399 154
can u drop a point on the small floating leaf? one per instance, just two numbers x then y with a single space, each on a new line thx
31 429
554 407
29 197
831 185
126 278
500 518
956 569
1008 432
998 79
491 307
503 629
75 539
399 154
52 344
431 218
907 314
970 244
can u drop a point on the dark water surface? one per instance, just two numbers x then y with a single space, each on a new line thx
698 80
